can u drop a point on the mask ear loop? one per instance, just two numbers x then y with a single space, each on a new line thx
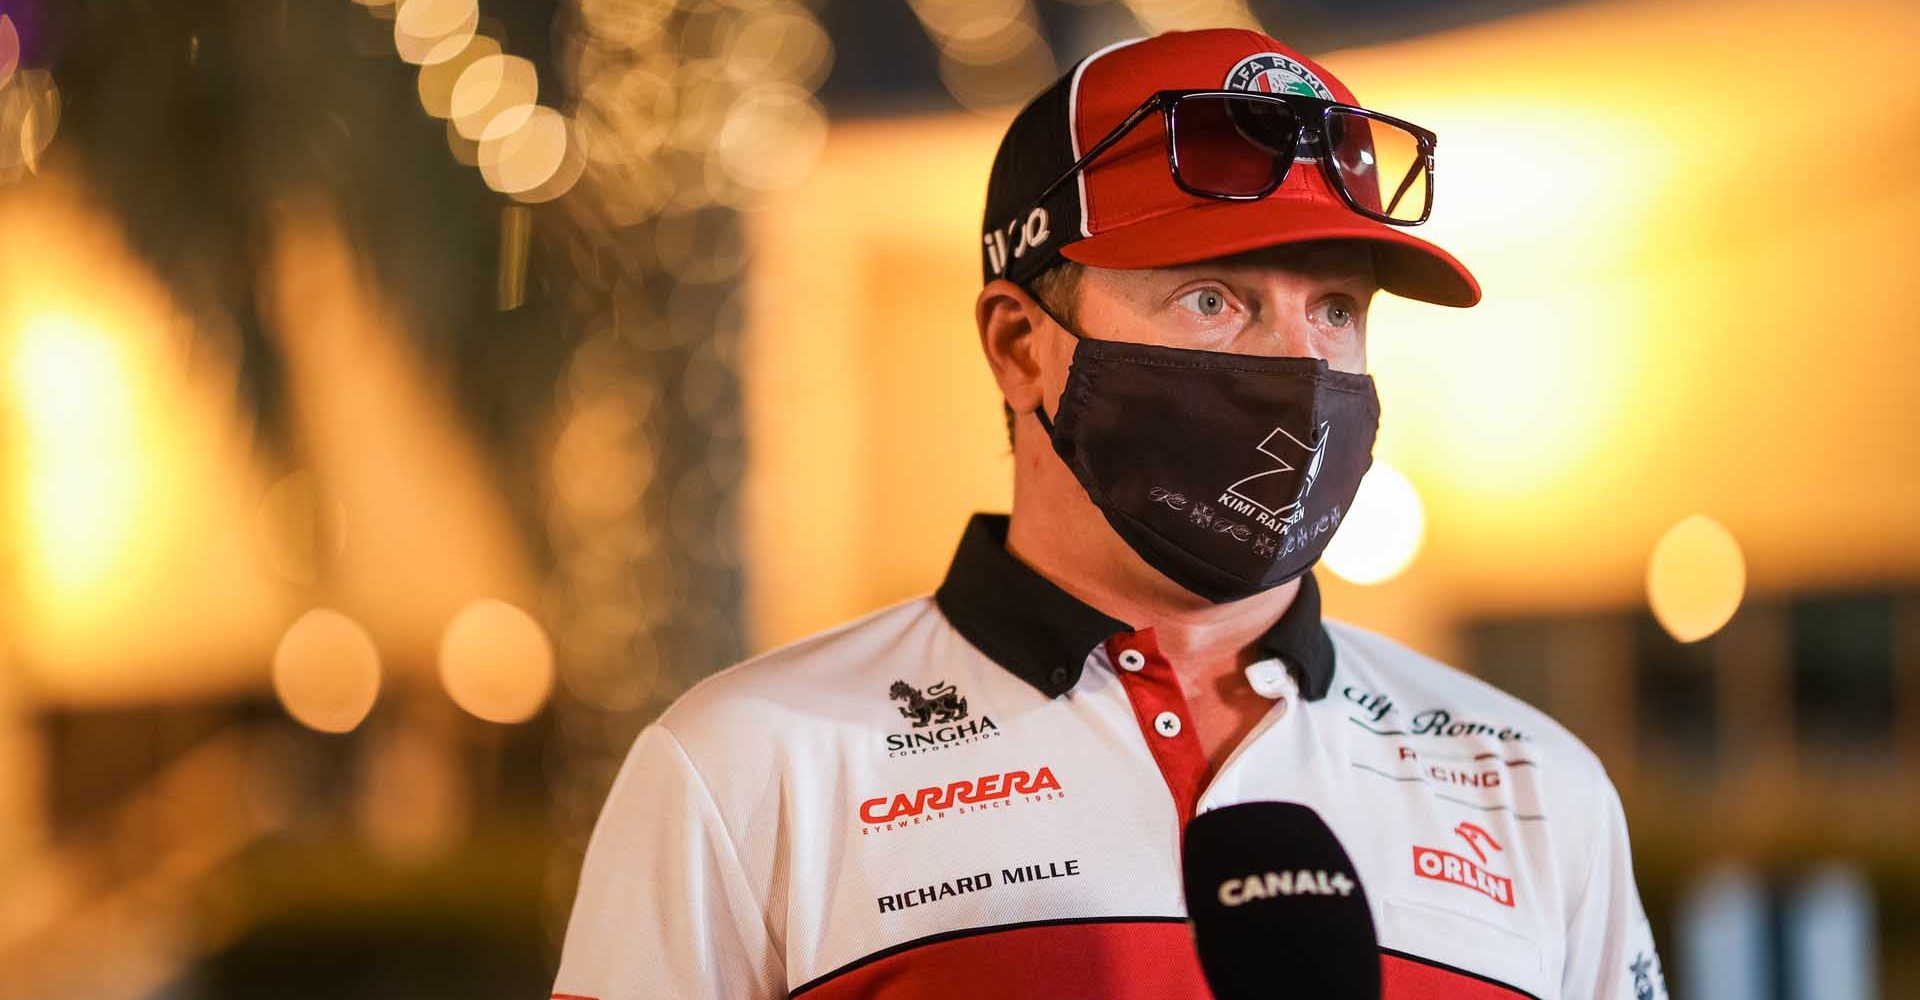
1040 411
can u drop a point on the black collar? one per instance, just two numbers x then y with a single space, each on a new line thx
1043 634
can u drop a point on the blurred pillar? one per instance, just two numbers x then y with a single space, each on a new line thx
1590 683
693 108
1754 690
1906 687
1723 937
1830 937
23 809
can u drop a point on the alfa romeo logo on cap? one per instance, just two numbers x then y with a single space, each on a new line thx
1273 73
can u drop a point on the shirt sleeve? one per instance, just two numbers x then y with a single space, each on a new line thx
1610 954
664 908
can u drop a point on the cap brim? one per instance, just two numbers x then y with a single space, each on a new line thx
1407 265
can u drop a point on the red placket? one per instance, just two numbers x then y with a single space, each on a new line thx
1161 710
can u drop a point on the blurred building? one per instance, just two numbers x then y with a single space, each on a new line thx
404 402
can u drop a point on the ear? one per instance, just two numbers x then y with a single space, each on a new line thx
1010 323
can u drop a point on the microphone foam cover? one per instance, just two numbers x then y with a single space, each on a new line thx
1276 907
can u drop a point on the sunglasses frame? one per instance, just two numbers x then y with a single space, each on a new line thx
1306 111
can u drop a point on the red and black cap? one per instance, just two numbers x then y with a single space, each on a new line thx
1125 210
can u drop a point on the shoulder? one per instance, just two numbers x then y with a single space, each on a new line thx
1431 698
811 676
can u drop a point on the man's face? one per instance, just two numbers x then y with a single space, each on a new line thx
1300 300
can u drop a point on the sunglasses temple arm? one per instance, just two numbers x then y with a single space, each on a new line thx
1102 146
1405 183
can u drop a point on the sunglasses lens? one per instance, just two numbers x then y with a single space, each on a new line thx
1232 147
1381 165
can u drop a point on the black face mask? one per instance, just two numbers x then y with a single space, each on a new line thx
1226 472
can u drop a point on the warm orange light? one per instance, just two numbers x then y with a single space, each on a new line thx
302 527
125 493
496 662
426 531
326 671
78 396
1695 578
1381 532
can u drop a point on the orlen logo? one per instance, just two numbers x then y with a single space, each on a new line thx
1305 882
1446 866
986 788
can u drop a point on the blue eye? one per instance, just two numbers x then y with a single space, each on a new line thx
1205 301
1340 312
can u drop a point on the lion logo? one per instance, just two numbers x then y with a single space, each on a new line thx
940 705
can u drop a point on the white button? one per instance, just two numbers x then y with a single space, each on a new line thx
1166 724
1131 660
1271 679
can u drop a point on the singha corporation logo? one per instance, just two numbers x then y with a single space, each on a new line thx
941 704
939 717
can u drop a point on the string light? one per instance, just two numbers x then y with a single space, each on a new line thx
525 150
431 31
992 53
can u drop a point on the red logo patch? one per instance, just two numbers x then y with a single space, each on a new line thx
986 788
1446 866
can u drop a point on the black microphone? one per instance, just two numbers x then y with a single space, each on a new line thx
1276 907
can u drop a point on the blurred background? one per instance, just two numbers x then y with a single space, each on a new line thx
401 403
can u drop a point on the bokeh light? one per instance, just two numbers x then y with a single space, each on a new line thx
494 96
496 662
777 42
523 158
29 117
992 53
1382 532
1696 578
437 79
326 671
9 49
771 137
431 31
543 150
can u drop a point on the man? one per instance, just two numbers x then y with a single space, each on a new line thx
982 792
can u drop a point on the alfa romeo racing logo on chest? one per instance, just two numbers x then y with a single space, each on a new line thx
1273 73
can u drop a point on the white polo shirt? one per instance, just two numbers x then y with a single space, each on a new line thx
981 793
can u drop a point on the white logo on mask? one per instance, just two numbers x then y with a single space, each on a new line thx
1313 455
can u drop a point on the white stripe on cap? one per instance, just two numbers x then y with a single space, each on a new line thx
1073 124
